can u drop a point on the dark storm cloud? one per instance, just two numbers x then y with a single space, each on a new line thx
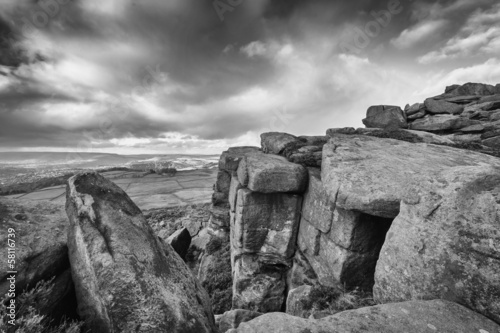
182 66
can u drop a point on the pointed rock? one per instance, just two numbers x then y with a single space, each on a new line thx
124 280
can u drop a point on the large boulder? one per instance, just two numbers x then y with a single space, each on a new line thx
445 244
268 173
40 230
385 116
415 316
440 106
372 175
125 280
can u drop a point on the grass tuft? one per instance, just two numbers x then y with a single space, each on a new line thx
28 317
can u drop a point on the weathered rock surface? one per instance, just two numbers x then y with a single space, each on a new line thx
440 106
445 245
276 142
230 159
416 316
270 173
259 283
317 208
180 241
295 301
385 116
266 223
303 150
373 175
415 108
40 241
263 236
301 272
442 123
232 319
400 134
124 280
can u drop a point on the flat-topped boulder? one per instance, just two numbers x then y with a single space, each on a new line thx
125 279
269 173
373 175
415 316
385 116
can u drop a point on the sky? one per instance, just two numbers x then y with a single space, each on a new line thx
199 76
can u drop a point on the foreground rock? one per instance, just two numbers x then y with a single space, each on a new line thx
124 280
40 239
446 245
416 316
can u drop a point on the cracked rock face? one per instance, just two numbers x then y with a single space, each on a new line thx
448 244
125 281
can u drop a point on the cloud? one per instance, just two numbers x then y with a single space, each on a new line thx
171 76
421 32
479 36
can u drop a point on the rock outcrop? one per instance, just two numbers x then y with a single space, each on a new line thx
124 279
446 242
414 316
409 208
464 114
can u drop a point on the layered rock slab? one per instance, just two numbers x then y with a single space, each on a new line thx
414 316
125 279
373 175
